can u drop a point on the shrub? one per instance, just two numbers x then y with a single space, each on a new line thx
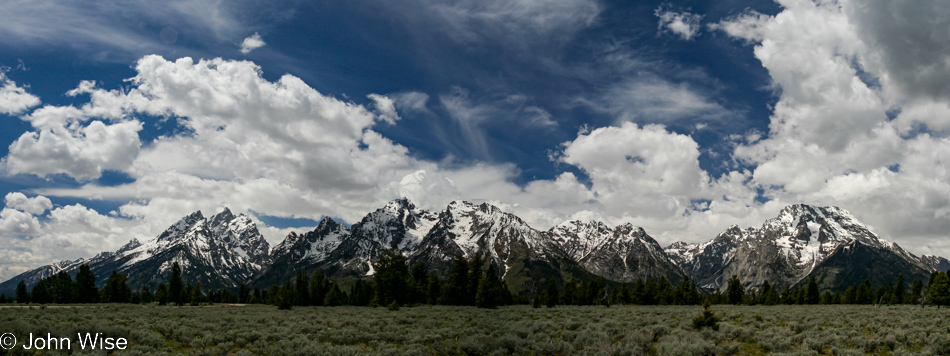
708 318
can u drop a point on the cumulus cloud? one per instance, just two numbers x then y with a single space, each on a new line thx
680 23
280 148
841 68
65 233
81 152
251 43
14 99
17 223
36 205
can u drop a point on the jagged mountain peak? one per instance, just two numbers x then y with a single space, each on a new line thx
828 226
178 229
220 221
132 244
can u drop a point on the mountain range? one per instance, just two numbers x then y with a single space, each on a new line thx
224 250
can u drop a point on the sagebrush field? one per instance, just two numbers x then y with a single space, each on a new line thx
512 330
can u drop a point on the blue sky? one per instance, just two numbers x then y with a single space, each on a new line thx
681 117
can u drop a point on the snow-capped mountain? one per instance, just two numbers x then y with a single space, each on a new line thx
225 250
621 254
307 251
219 252
936 263
398 225
522 254
704 263
801 241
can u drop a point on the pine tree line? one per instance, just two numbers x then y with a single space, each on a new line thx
469 282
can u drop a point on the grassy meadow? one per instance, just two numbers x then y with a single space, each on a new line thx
511 330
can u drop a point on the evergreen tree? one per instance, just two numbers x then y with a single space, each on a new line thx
41 293
639 291
22 295
487 294
570 289
196 294
551 295
361 293
474 276
865 294
812 295
899 290
243 293
318 287
419 286
664 291
597 291
392 276
938 292
916 290
623 295
650 292
145 295
61 287
880 295
176 293
850 295
86 291
457 284
434 290
735 290
301 289
117 291
285 297
825 298
787 297
335 297
161 294
764 289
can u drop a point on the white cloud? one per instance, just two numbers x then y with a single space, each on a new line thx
17 223
653 99
123 31
68 233
412 101
385 108
251 43
14 99
681 23
36 205
278 148
515 21
841 67
81 152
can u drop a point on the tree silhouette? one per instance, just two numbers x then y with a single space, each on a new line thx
176 286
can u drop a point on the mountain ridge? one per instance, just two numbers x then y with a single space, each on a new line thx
226 250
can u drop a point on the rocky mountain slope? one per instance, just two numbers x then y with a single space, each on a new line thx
802 241
222 251
620 254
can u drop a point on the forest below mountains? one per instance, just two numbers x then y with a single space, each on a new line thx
470 282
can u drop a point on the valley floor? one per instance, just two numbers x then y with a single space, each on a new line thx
425 330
